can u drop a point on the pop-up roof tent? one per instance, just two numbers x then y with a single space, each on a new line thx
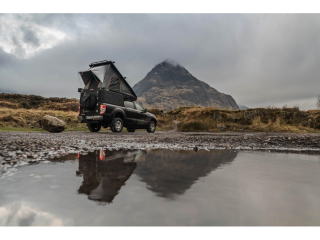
104 74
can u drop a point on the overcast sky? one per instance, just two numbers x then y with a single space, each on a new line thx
260 59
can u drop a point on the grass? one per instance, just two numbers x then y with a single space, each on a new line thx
197 126
250 120
190 119
16 101
24 112
164 120
29 119
16 129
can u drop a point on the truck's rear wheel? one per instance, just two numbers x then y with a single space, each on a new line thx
117 125
151 127
94 127
130 129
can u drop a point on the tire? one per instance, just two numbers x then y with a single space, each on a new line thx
94 127
130 129
117 125
151 127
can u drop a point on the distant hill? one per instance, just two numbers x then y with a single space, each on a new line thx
6 91
19 101
169 86
242 107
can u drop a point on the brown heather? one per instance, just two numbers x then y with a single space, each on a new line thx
23 112
250 120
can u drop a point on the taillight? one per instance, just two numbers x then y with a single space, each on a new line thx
102 155
79 110
103 109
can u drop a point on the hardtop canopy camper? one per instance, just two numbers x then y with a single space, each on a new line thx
105 75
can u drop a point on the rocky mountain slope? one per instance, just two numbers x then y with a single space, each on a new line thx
169 86
242 107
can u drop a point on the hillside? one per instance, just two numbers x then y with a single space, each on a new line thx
250 120
16 101
23 112
168 86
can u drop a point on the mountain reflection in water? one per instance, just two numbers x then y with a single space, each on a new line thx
168 173
165 172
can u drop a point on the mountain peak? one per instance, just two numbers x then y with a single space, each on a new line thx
168 69
169 85
169 61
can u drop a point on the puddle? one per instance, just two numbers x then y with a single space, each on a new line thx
165 188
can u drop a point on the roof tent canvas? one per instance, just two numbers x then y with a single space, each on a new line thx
105 75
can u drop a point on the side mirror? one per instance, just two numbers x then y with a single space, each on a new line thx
145 110
80 89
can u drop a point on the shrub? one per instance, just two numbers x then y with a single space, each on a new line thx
204 125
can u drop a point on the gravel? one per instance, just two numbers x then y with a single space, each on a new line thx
20 148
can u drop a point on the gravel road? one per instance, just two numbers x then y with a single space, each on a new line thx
20 148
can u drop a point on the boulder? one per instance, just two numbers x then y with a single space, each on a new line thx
52 124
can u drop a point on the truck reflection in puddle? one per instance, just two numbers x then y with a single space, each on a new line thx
105 172
166 173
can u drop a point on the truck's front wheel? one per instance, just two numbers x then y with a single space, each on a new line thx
117 125
151 127
94 127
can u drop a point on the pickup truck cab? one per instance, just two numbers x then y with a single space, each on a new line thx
107 100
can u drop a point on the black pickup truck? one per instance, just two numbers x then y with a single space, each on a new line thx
107 100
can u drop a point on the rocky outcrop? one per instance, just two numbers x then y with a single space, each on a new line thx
52 124
169 86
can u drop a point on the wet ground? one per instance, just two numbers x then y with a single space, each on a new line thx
164 187
19 148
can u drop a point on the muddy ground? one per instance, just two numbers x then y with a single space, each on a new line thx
20 148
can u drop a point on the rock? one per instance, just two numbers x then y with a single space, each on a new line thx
33 161
52 124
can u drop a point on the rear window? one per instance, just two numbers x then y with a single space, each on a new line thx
93 84
128 104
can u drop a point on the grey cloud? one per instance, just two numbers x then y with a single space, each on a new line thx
29 36
259 59
18 49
